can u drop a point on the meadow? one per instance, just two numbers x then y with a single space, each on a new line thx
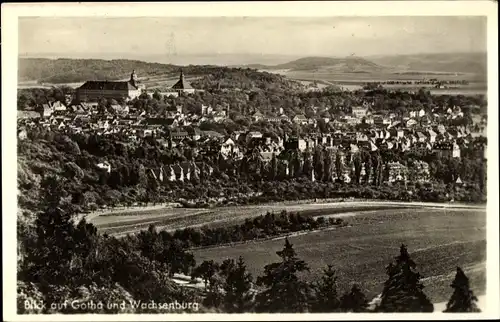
353 81
130 221
356 77
438 241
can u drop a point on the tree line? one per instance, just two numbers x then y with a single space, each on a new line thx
260 227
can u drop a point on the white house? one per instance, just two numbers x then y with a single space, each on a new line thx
229 148
104 166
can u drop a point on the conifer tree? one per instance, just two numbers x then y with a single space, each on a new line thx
462 299
297 165
368 168
403 291
273 171
376 161
326 297
354 301
284 291
339 167
238 295
307 167
327 166
318 164
357 168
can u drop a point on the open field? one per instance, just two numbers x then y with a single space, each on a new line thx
377 77
438 240
132 221
439 237
353 81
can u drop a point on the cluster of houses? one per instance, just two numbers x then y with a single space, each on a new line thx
239 144
412 121
396 135
416 131
362 114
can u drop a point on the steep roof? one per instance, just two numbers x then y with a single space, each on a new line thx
159 121
181 83
108 86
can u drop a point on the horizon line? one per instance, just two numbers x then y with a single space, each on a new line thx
46 55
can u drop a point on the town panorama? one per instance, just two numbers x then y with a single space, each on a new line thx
321 184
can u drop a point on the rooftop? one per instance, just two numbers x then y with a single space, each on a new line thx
108 85
181 83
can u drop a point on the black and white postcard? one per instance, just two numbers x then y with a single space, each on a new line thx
186 161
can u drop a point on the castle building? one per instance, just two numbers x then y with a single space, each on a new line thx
95 90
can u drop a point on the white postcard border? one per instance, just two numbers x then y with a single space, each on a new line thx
10 14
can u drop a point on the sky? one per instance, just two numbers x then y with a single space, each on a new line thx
127 37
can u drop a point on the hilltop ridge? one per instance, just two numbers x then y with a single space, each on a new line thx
441 62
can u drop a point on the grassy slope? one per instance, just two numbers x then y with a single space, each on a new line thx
347 64
444 62
119 223
438 240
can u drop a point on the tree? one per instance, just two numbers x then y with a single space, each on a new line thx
307 167
296 165
156 95
273 170
327 166
284 291
238 296
318 164
482 175
403 291
176 257
368 168
377 168
357 168
214 296
326 299
206 271
354 301
339 167
462 299
58 245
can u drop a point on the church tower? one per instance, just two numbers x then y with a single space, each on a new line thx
181 78
133 79
182 86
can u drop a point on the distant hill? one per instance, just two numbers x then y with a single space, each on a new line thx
445 62
345 65
63 70
440 63
77 70
68 71
57 71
